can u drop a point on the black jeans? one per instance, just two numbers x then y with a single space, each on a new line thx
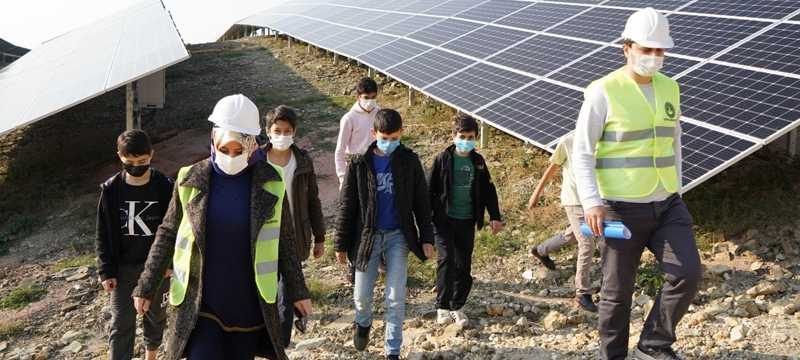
455 240
665 228
123 315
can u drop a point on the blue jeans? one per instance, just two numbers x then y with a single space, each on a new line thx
392 245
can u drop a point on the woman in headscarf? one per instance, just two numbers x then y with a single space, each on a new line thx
227 234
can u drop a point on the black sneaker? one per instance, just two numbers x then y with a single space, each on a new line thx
649 353
360 337
392 357
585 302
544 259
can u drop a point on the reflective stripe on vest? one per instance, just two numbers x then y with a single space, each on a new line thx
636 151
265 266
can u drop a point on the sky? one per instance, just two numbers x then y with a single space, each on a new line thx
28 23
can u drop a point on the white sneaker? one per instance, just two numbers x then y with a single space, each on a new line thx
443 316
460 318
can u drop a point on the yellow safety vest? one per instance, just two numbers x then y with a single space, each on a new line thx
636 150
265 266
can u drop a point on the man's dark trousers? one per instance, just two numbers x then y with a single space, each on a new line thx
665 228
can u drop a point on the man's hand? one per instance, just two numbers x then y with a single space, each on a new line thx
168 273
142 305
497 226
341 257
303 307
427 249
319 249
109 284
594 218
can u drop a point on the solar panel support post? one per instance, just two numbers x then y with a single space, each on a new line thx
411 96
792 143
370 73
484 134
132 114
289 40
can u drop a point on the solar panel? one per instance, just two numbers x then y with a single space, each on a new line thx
428 67
705 150
363 44
657 4
749 102
486 41
444 31
607 60
338 38
409 25
770 9
383 21
776 49
477 86
493 10
541 16
600 24
542 112
420 6
452 7
542 54
704 36
67 70
392 53
734 103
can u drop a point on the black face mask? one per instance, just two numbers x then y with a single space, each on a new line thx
135 170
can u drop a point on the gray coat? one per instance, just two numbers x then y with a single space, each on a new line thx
182 319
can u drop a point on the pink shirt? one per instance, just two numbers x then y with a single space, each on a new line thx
355 136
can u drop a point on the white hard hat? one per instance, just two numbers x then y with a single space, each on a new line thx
237 113
649 28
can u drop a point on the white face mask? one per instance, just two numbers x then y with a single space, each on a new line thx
281 142
647 65
368 104
230 165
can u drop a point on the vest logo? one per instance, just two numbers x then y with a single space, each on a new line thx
669 109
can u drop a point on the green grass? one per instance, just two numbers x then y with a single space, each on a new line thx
320 291
16 227
11 330
233 54
649 278
22 296
78 261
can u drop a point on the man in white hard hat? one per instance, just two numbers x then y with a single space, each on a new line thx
627 158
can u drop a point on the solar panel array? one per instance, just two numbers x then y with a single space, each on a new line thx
89 61
522 65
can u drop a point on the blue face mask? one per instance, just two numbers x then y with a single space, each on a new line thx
464 146
388 146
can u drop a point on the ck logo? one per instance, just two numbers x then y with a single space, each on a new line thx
669 109
133 218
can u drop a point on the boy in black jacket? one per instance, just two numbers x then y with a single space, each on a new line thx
132 206
384 211
461 190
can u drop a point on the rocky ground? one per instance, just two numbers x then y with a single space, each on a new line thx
748 308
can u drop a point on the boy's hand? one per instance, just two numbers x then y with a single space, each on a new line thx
497 226
533 202
142 305
341 257
319 249
427 249
167 273
303 307
109 284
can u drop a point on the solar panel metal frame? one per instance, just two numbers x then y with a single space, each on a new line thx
128 45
